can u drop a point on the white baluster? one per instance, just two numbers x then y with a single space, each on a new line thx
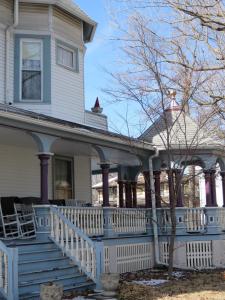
66 236
1 270
6 273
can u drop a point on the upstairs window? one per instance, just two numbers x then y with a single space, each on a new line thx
31 69
67 56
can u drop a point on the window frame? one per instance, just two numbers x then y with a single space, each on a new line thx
72 49
66 158
22 40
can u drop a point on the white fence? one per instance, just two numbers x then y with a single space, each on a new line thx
199 254
128 257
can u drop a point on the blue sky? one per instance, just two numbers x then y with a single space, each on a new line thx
101 54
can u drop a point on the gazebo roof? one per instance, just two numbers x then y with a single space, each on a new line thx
177 129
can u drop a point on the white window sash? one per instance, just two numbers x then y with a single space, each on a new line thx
74 56
23 40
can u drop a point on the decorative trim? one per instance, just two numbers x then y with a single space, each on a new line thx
46 67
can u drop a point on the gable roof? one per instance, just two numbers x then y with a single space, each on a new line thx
73 9
179 130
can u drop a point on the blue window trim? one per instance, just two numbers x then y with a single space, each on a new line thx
46 67
72 48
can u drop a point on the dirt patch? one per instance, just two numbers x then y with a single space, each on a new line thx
208 285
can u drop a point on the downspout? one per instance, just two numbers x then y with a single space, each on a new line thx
154 215
7 48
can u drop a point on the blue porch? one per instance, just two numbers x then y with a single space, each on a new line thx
74 245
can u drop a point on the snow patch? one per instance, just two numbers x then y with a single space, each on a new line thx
151 282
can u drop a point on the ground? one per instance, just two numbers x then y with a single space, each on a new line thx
208 285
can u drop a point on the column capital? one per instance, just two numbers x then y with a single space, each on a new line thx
105 166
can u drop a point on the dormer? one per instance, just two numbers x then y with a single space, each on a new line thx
42 53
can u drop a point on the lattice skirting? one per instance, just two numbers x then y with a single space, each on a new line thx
128 258
193 255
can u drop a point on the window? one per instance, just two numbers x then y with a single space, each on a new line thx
31 69
67 56
63 178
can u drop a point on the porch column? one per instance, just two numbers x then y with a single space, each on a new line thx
178 178
128 194
44 158
208 188
148 198
105 182
121 200
213 188
222 174
134 193
157 188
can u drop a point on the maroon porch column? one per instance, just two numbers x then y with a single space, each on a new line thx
105 182
128 194
148 198
208 188
222 174
157 188
178 178
134 193
44 158
121 200
213 188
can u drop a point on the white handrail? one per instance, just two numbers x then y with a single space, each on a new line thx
87 254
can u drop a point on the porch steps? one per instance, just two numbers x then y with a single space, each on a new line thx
43 262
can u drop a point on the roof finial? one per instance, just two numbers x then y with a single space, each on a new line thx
97 108
173 104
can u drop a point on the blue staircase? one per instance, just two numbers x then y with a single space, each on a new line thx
43 262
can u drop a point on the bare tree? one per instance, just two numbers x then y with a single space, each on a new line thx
152 63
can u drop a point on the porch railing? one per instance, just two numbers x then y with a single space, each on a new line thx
195 219
89 219
8 272
87 254
128 220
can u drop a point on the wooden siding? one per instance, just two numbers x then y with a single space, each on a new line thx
20 172
2 68
82 177
6 12
67 90
96 120
67 27
33 17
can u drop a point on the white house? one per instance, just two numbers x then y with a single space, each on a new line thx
50 146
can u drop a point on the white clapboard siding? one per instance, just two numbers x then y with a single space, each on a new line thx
6 8
82 177
199 254
96 120
67 90
67 27
2 68
20 172
33 17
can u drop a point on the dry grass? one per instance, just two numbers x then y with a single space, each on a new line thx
202 286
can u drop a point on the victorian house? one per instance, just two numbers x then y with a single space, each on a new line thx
50 146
